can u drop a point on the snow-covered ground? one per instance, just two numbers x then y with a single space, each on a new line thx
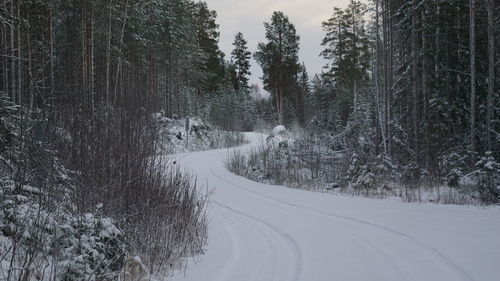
260 232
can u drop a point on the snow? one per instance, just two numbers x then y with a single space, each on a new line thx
279 130
261 232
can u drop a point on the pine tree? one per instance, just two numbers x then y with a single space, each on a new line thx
279 59
347 50
334 43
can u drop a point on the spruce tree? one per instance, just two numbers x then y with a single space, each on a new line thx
208 36
241 60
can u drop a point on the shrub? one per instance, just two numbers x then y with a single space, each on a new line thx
487 176
86 247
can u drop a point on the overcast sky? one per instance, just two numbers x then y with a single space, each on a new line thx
248 17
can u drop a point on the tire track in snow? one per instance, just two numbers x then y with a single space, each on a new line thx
273 253
456 268
297 267
253 275
230 266
388 259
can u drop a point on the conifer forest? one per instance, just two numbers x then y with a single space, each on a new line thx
134 146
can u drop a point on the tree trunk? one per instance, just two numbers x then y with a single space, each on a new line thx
151 78
51 39
170 82
491 71
166 98
83 25
5 68
12 79
119 64
279 105
281 113
108 52
437 34
19 54
472 39
31 83
377 77
91 59
414 83
387 23
425 93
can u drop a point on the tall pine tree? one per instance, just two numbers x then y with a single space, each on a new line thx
347 49
278 58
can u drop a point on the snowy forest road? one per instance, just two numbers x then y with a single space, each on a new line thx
259 232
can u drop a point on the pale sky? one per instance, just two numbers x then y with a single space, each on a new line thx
248 17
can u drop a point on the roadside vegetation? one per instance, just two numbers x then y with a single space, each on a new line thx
310 163
82 223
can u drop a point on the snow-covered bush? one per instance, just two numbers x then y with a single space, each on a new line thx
238 162
487 176
91 248
366 180
74 247
42 236
361 176
451 166
354 171
384 167
411 174
295 163
279 130
453 177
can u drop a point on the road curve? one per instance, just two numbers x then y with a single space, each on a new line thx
260 232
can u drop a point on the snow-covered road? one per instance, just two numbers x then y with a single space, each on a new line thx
269 233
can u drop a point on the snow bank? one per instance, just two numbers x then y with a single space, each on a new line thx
279 130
